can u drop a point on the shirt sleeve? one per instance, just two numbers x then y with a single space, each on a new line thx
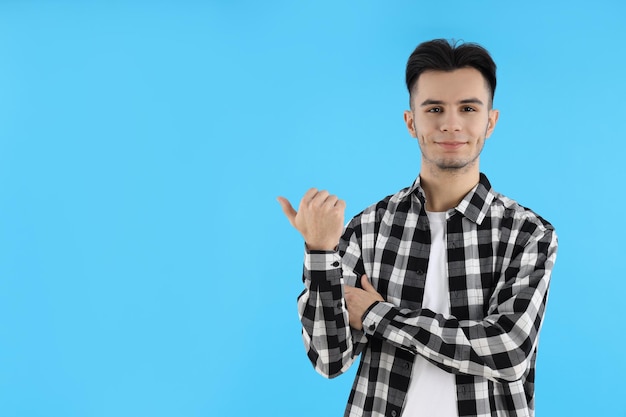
498 347
330 342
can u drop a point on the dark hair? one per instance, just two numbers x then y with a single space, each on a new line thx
444 55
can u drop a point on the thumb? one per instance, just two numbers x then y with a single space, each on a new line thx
365 284
288 209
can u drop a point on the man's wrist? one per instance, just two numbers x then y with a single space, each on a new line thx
320 248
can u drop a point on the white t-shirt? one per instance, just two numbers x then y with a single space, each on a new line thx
432 391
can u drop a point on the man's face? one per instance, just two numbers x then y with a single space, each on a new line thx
450 118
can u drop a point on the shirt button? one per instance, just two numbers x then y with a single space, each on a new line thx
372 327
335 264
339 304
394 413
420 272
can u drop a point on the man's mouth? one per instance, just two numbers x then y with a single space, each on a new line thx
451 146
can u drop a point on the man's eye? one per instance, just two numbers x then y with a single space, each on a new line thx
468 108
435 110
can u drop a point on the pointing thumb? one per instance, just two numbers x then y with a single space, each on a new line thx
288 209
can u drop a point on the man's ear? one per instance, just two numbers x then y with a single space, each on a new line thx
492 121
409 121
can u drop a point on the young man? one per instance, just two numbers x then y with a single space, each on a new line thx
441 287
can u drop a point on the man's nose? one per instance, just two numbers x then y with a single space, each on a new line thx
451 122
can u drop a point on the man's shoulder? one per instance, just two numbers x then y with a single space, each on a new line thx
401 200
508 208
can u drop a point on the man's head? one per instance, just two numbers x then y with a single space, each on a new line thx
451 93
443 55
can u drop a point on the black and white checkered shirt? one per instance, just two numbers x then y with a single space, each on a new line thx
500 258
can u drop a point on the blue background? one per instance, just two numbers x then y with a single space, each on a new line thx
145 265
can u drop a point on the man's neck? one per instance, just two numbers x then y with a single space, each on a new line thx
445 189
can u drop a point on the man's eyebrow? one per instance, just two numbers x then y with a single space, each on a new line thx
431 102
472 100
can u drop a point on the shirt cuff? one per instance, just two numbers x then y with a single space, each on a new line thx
322 260
373 318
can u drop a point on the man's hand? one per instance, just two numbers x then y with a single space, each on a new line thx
319 218
359 300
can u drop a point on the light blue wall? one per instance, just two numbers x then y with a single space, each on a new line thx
145 266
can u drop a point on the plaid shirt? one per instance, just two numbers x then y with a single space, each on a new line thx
500 257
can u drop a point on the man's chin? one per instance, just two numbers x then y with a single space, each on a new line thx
453 165
456 165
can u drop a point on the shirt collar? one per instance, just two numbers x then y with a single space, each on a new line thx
475 205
